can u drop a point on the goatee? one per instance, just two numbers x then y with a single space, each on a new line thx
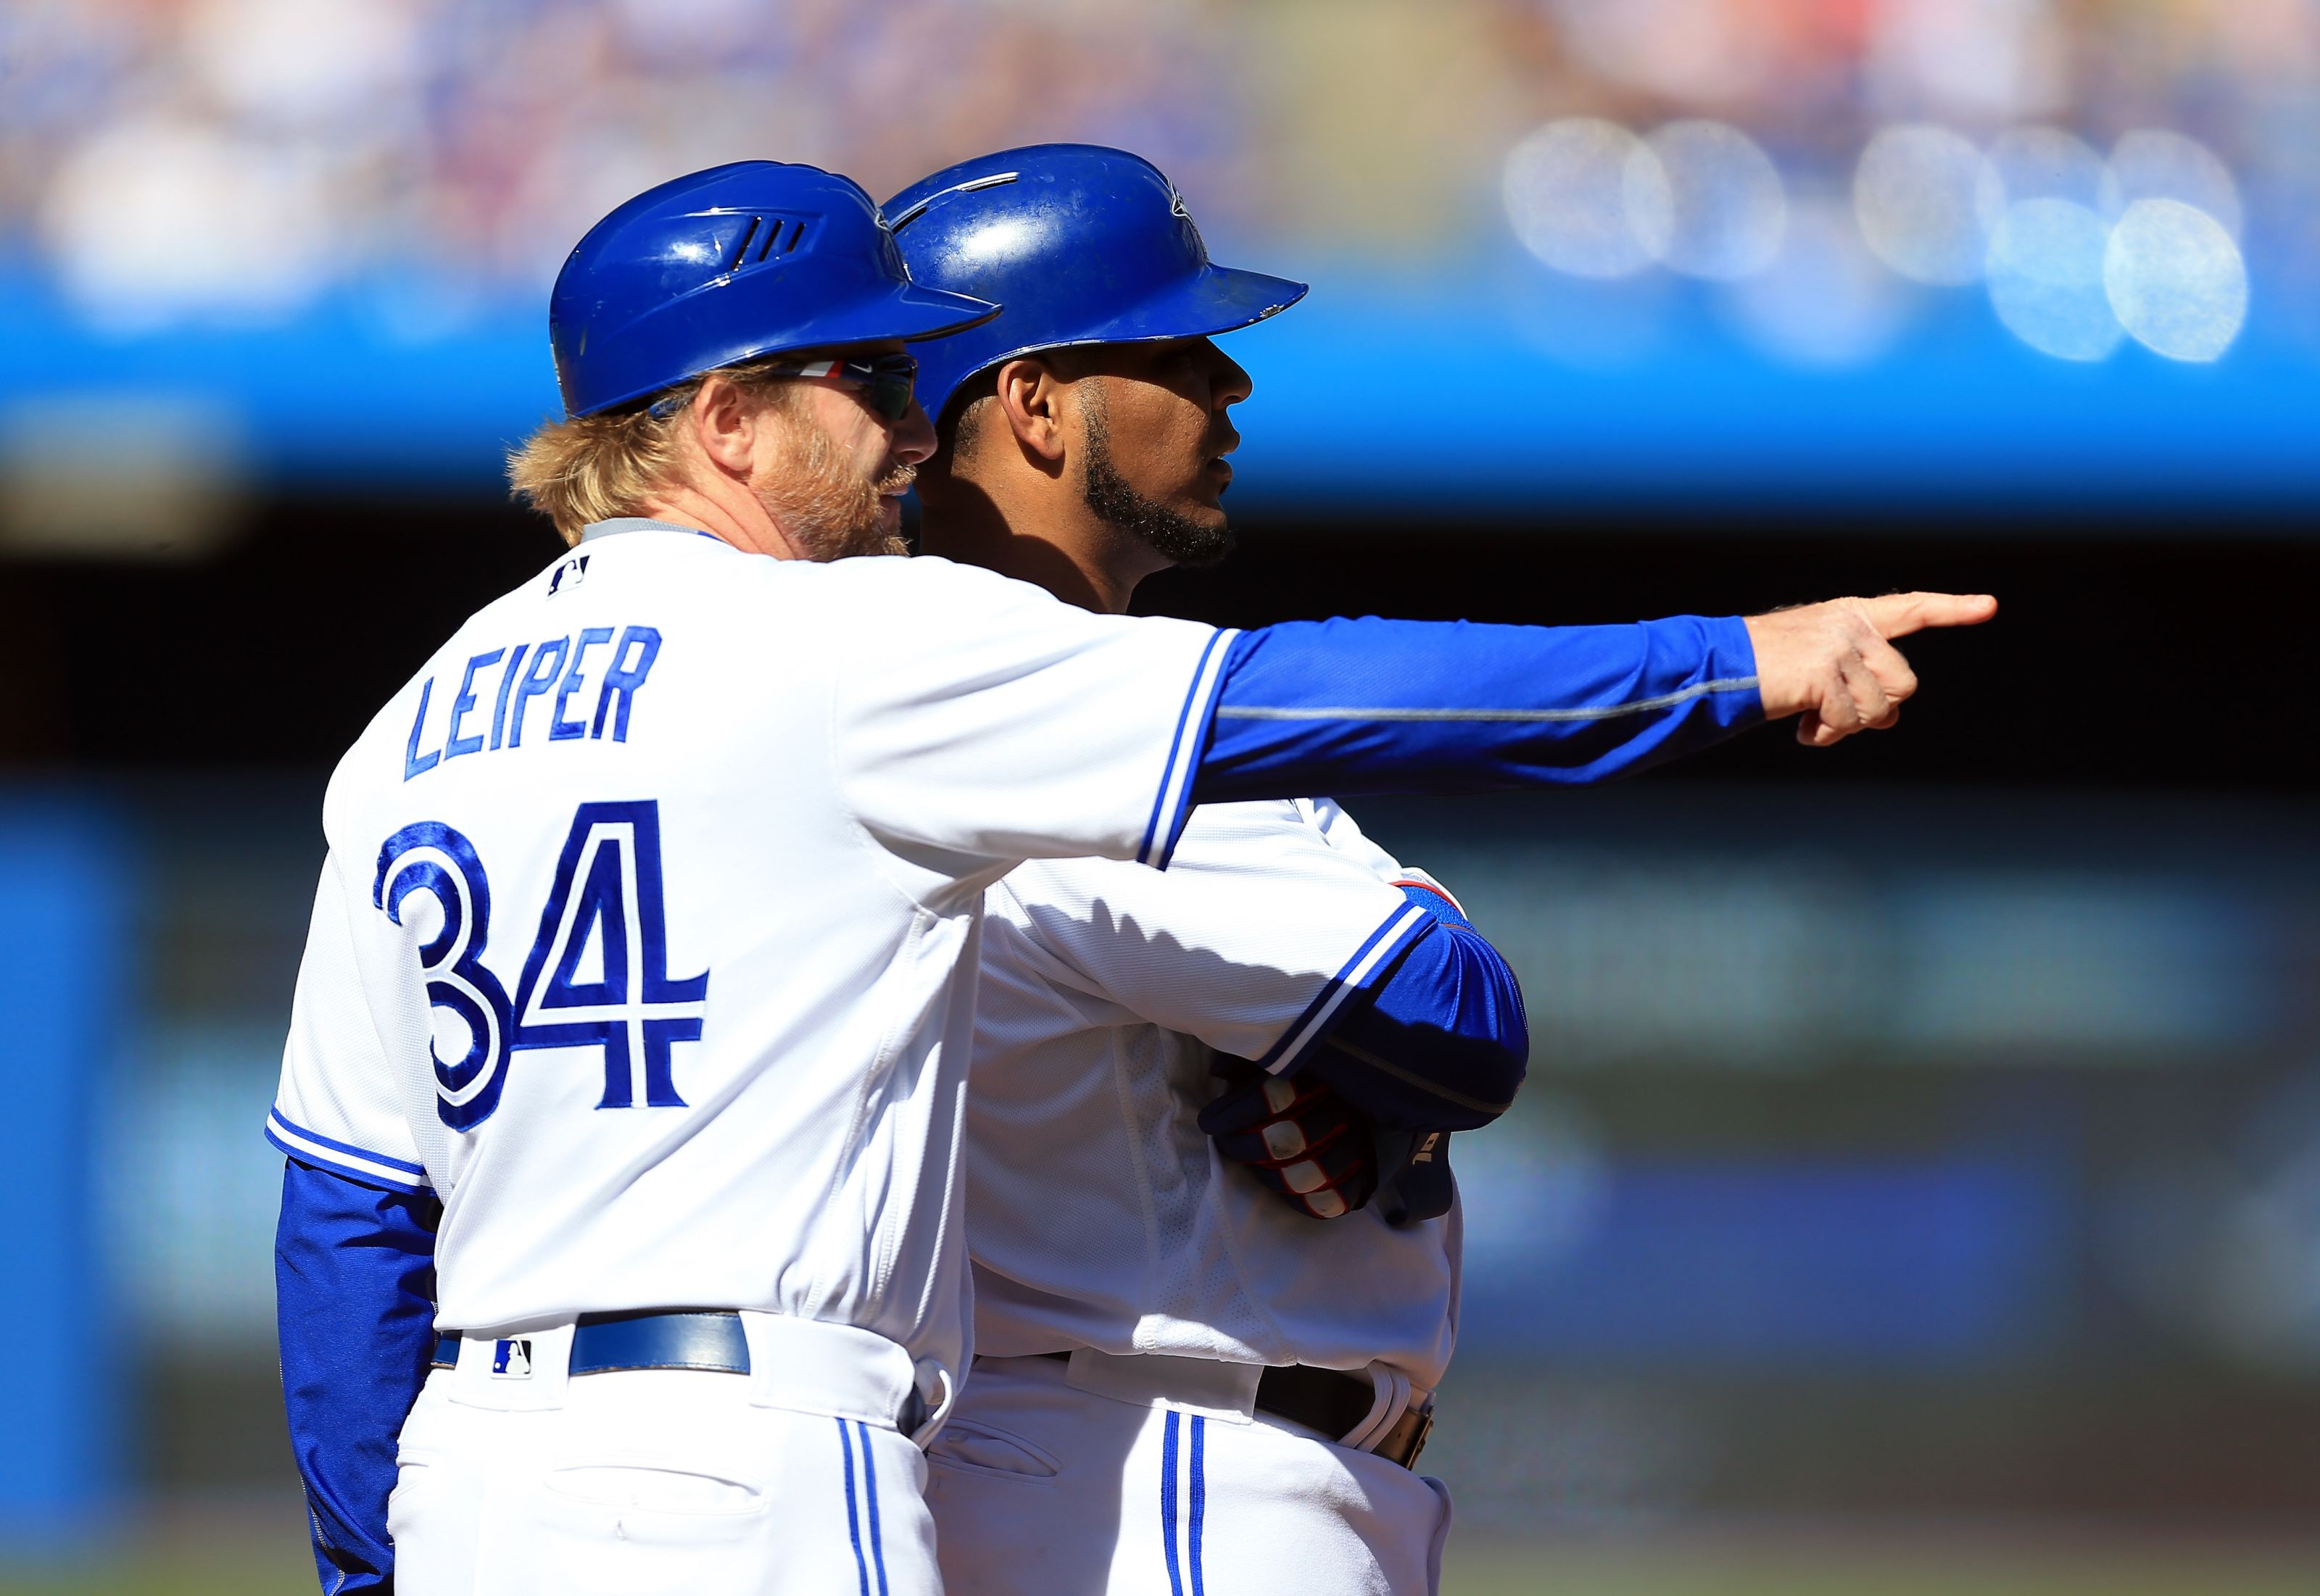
1171 534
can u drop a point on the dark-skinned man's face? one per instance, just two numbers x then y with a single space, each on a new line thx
1155 437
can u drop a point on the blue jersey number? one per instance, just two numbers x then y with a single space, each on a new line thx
432 858
597 975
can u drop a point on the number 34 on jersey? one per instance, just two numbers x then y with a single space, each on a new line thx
596 976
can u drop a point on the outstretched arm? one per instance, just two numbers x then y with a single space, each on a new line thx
983 717
1371 705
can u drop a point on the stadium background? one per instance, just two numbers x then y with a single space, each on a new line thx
1919 1186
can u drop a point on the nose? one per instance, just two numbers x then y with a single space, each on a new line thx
914 436
1228 382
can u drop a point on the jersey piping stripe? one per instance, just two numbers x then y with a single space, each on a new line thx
360 1163
1722 684
1400 928
1172 802
1168 1501
853 1517
870 1489
1199 1502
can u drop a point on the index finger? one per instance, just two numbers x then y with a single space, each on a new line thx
1897 614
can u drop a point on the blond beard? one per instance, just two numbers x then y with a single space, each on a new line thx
827 509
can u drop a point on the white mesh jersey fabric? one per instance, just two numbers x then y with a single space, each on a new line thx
700 952
1099 1215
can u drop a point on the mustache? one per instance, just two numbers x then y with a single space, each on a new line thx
897 479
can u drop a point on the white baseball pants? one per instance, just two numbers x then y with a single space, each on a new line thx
1041 1488
664 1481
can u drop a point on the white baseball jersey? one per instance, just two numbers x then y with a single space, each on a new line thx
647 934
1099 1215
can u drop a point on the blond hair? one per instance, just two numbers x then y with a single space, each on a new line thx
591 468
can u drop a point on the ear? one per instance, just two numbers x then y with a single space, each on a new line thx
727 426
1032 398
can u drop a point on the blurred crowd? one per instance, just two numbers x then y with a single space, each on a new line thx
243 158
2104 167
247 155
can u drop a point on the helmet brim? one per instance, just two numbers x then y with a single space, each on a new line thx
1215 300
906 311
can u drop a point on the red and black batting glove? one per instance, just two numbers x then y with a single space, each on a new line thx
1310 1145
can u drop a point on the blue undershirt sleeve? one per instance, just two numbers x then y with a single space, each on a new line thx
354 1269
1388 706
1442 1044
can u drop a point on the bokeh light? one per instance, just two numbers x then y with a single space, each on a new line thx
2159 164
1825 300
2176 279
1927 200
2048 164
1727 207
2045 270
153 221
1574 189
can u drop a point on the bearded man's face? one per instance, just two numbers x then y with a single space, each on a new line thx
1154 434
833 481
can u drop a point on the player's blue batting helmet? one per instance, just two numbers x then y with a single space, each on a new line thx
741 260
1081 245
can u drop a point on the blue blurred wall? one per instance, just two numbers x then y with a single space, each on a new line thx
64 943
1950 1262
1370 396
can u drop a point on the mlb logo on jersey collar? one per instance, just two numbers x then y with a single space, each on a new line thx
569 574
511 1360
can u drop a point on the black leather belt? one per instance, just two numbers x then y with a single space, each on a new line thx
1334 1402
650 1339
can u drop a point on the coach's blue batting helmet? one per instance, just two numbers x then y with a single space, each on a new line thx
1081 245
741 260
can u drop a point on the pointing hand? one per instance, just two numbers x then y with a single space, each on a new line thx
1833 665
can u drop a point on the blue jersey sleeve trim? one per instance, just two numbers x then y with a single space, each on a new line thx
1172 805
1405 926
341 1157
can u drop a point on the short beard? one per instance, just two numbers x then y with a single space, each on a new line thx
1176 536
826 507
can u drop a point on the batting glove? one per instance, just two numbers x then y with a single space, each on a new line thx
1310 1146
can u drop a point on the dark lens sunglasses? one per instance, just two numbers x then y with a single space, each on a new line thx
886 381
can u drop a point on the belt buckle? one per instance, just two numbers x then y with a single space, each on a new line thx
1408 1437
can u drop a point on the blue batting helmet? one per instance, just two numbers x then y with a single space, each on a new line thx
741 260
1081 245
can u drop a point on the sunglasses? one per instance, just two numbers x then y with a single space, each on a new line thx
886 382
